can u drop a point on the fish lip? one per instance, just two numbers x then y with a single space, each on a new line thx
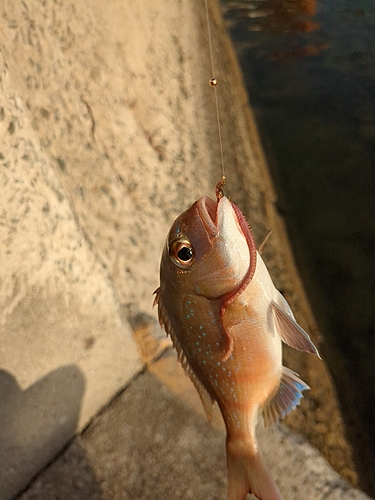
207 209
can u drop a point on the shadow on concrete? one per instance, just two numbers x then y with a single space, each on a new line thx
35 424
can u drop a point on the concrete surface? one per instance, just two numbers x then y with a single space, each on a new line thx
153 443
108 131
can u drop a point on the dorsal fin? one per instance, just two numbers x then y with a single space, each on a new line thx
207 402
286 399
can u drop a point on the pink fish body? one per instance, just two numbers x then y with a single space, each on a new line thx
226 318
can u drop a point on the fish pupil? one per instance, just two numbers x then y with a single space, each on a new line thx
185 254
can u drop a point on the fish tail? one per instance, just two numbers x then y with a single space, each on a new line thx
247 472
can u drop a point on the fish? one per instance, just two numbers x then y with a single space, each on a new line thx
227 321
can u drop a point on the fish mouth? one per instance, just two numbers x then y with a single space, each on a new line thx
208 213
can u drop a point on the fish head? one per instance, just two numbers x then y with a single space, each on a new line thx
210 250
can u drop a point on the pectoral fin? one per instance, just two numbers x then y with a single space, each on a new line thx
290 332
232 315
286 399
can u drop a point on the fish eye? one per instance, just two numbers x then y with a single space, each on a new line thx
185 254
181 252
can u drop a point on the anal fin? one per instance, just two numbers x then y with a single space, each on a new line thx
286 399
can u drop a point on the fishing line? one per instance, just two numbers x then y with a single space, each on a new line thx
213 83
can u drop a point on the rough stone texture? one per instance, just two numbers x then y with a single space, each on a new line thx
108 132
153 443
65 348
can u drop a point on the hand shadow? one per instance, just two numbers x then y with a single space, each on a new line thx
35 424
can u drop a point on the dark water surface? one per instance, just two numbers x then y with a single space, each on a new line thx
309 66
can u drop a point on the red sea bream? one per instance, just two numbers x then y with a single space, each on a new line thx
227 321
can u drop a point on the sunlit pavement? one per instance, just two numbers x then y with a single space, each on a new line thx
153 442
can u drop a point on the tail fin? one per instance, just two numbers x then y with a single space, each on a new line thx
247 472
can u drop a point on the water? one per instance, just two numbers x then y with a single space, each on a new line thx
309 66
